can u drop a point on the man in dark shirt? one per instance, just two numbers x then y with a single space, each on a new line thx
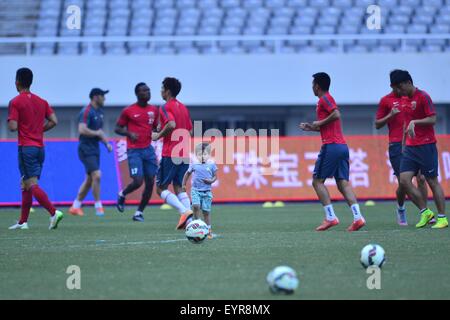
90 128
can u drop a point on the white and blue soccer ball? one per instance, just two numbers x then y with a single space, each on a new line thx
282 280
197 231
372 255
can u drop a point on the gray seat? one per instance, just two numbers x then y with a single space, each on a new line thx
438 29
431 48
230 3
320 4
274 3
252 4
297 3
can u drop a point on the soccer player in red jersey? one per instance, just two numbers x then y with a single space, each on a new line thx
333 160
390 112
137 123
31 116
176 129
420 153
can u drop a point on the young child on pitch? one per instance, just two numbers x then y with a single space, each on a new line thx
205 174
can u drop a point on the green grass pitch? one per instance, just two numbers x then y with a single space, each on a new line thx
122 259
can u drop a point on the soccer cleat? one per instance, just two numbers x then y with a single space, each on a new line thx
356 225
100 212
210 234
441 223
23 226
327 224
401 217
138 218
183 219
425 217
120 205
55 220
76 211
432 221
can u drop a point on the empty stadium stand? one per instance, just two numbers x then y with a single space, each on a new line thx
190 18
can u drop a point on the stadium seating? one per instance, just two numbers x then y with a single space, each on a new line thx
226 17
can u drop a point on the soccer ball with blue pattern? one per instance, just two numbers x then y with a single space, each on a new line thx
282 280
372 255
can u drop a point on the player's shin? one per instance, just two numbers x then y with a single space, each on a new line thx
27 201
42 198
173 200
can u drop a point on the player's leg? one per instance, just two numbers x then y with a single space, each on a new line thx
150 167
323 169
421 183
145 198
178 181
166 173
33 159
429 168
342 176
136 171
395 157
439 200
82 193
96 177
347 192
411 164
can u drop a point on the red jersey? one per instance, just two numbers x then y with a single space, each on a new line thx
395 124
30 112
174 110
331 132
420 106
141 121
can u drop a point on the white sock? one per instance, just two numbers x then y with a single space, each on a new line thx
172 200
98 205
356 212
189 220
121 194
138 213
184 198
329 212
76 204
401 208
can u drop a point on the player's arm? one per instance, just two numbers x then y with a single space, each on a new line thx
381 122
305 126
168 128
428 121
123 131
334 115
52 121
13 117
12 125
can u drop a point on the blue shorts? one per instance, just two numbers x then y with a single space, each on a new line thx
170 172
203 199
142 162
91 161
423 158
333 161
31 161
395 156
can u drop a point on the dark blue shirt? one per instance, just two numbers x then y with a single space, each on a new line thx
93 118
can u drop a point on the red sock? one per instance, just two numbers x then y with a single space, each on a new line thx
27 202
42 198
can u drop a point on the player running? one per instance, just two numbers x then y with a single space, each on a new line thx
333 160
420 153
205 174
390 112
137 123
176 130
90 128
31 116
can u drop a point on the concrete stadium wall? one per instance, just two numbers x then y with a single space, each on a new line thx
226 80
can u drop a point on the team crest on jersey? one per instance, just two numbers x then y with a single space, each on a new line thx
414 105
